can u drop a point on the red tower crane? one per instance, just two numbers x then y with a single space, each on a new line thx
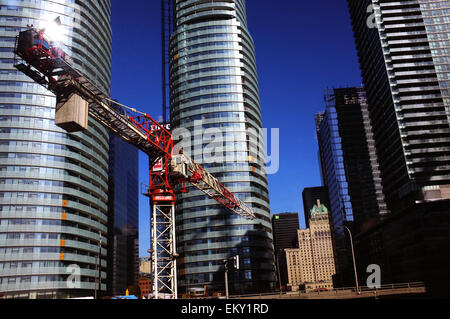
77 98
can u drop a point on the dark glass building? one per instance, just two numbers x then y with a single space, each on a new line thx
403 54
349 167
214 88
123 219
348 158
285 234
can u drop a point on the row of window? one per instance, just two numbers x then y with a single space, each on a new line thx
29 250
35 133
29 108
43 134
34 170
209 88
234 62
41 279
37 157
29 236
205 107
210 52
218 229
224 239
232 251
35 145
30 264
33 182
209 116
42 99
30 195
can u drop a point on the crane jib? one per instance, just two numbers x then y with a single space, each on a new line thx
49 66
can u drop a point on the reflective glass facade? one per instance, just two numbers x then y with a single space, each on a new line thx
53 185
123 218
349 165
214 91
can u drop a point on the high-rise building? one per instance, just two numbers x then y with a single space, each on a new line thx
285 228
403 54
123 219
310 195
215 101
53 185
348 158
350 169
312 265
404 69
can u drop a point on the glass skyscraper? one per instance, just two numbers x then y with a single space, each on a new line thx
348 158
403 49
349 166
123 216
214 91
404 55
53 185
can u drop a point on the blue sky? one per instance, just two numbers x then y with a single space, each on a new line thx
302 48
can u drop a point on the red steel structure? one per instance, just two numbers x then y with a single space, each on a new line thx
48 65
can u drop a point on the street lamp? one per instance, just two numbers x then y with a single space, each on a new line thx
278 268
99 269
353 255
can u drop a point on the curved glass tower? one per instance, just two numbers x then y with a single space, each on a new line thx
215 109
53 185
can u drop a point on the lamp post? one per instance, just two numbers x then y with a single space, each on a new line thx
278 268
227 295
353 256
98 288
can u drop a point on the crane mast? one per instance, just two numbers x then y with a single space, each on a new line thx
77 98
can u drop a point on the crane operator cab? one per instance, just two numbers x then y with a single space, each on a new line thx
35 45
179 166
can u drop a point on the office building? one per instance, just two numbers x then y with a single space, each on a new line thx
348 158
285 228
403 55
310 195
350 169
123 218
214 91
403 65
53 185
312 265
